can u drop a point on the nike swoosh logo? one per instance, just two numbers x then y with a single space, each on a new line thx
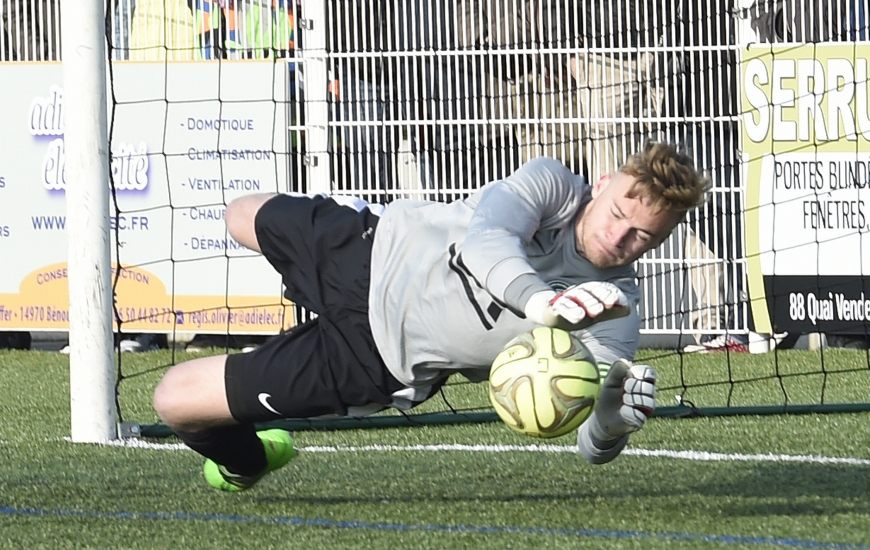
264 400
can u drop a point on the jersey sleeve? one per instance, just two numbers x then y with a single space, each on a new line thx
542 194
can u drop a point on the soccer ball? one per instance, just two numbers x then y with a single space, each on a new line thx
544 383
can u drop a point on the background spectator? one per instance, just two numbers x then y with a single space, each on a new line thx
706 100
122 28
15 339
400 79
620 91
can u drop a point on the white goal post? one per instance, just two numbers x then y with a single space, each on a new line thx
92 402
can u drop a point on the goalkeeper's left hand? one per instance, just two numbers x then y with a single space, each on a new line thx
626 401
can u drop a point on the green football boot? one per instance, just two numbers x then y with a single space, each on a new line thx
279 451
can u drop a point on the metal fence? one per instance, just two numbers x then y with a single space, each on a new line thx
432 99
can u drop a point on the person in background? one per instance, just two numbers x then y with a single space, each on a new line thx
210 22
805 21
15 339
600 91
364 92
619 91
515 86
707 99
6 53
393 88
122 28
244 29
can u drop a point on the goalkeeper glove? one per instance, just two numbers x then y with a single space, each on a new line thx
627 400
577 306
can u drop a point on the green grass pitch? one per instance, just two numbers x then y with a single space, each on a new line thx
731 482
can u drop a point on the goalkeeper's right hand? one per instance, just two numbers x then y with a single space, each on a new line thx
577 306
626 401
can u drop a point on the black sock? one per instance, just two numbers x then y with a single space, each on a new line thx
237 448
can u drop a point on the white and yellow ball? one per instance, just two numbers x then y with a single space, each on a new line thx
544 383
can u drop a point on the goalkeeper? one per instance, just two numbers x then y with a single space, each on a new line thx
409 294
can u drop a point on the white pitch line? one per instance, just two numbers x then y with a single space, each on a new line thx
701 456
444 447
731 457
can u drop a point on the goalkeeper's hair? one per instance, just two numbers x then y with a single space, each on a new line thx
666 177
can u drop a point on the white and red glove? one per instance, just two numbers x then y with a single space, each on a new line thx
627 401
579 305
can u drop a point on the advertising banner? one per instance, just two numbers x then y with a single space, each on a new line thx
806 140
186 139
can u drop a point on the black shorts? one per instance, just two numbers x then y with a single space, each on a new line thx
330 365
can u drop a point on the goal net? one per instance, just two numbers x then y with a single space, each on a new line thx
211 100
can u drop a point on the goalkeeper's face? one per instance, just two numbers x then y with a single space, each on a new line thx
615 230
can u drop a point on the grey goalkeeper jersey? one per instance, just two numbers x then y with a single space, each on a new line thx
449 281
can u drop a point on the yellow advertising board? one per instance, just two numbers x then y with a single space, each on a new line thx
143 305
806 142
